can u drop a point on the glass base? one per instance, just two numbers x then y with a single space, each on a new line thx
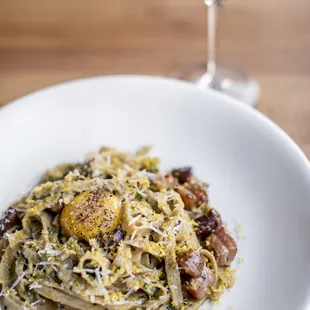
228 80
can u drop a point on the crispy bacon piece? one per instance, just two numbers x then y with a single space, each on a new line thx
208 223
200 287
193 195
191 263
11 218
223 246
183 174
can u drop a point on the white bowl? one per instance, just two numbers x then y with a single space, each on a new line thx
259 177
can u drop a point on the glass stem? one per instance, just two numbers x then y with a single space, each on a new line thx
211 33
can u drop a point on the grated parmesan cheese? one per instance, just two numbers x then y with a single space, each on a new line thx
37 302
34 285
50 252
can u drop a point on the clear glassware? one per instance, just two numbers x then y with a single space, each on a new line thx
221 77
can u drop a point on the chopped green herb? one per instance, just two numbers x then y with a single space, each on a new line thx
139 196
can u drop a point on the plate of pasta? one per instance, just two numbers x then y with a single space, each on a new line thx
214 215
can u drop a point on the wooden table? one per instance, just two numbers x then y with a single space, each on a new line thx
46 42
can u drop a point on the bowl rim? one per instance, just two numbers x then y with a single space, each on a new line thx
236 104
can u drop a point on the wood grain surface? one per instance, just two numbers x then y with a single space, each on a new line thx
46 42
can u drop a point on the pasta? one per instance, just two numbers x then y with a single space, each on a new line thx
114 233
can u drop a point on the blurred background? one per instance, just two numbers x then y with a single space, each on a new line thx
46 42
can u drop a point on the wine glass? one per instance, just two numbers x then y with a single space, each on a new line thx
223 78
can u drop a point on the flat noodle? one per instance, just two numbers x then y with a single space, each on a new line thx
212 260
150 247
129 263
173 274
65 299
7 261
13 303
3 245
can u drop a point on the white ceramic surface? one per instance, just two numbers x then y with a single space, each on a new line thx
258 176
